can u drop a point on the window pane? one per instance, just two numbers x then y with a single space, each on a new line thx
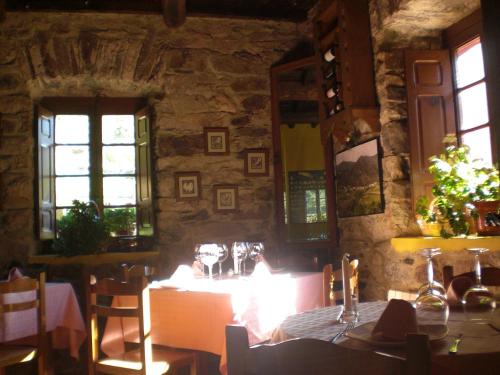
121 221
72 129
473 107
71 160
118 159
118 129
469 63
70 188
479 143
119 190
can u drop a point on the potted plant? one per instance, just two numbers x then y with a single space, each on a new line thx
81 231
459 182
120 221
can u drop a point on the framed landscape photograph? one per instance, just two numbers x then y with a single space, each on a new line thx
359 180
216 141
187 185
226 198
257 162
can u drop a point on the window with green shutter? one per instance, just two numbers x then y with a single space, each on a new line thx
95 149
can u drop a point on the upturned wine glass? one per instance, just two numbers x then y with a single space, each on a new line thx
239 251
436 287
208 254
478 302
431 306
255 251
223 253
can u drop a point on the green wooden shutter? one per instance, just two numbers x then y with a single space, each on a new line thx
431 112
46 174
145 216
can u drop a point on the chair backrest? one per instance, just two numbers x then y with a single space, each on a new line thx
35 300
136 271
310 356
138 288
333 284
490 276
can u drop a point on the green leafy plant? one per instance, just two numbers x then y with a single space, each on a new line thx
81 231
120 220
458 183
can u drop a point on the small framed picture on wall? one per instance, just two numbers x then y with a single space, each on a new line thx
187 185
216 141
256 162
226 198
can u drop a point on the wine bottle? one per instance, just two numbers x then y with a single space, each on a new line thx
330 55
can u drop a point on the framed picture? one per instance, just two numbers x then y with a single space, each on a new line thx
226 198
187 185
359 180
216 141
257 162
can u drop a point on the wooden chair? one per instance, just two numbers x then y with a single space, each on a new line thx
9 354
129 273
310 356
333 284
490 276
144 360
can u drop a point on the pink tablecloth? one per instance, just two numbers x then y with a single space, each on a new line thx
195 316
63 318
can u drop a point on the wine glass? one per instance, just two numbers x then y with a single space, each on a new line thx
431 307
255 251
478 302
239 252
222 257
432 284
197 257
208 254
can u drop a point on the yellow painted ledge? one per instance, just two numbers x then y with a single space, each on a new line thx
412 244
92 260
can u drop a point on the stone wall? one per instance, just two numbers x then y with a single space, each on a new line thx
209 72
369 237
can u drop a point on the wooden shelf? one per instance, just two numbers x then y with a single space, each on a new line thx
94 259
415 244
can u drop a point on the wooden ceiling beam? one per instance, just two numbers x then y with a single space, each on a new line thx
174 12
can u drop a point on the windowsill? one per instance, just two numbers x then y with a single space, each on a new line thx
93 259
413 244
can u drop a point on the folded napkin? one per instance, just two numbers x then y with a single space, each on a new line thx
397 320
182 274
197 269
14 274
457 288
261 270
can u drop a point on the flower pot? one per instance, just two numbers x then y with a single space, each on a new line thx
488 220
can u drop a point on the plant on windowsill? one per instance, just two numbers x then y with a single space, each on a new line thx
458 183
81 231
120 221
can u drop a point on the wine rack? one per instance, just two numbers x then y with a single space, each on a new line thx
345 77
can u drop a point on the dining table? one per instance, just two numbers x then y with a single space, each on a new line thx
64 320
193 314
479 348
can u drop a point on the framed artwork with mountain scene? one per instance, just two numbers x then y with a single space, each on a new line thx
359 180
187 186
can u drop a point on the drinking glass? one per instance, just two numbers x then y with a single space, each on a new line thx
255 251
222 257
239 252
208 254
436 287
431 307
478 302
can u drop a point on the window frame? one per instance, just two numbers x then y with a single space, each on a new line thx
456 37
95 108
